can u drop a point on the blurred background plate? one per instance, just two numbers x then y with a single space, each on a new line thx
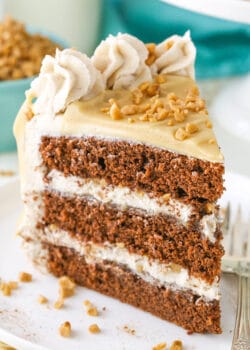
234 10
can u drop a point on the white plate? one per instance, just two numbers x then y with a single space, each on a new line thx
26 325
234 10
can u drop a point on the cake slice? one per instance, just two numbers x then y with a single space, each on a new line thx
120 175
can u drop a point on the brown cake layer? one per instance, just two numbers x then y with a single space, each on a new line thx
146 168
159 236
181 307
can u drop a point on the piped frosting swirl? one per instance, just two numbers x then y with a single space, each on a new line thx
175 55
121 60
67 77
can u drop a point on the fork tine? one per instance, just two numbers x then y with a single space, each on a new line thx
248 238
226 219
226 215
236 239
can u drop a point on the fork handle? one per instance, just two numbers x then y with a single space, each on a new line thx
241 338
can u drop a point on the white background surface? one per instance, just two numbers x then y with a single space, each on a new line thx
24 323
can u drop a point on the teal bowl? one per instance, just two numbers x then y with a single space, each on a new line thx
12 95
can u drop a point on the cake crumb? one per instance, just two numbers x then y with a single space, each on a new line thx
65 329
160 346
94 328
59 303
66 287
92 311
129 330
176 345
6 290
87 303
42 299
25 277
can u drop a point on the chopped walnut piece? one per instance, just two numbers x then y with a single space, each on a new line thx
166 197
209 124
144 86
137 96
139 268
191 128
87 303
162 114
160 79
120 245
13 284
161 346
212 141
181 134
179 115
172 96
129 109
169 44
153 89
170 122
65 329
151 56
151 47
209 208
42 299
143 108
195 91
150 60
144 118
59 303
175 267
6 290
25 277
176 345
115 112
92 311
66 287
94 328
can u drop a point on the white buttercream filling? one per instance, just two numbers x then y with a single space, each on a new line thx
152 271
123 197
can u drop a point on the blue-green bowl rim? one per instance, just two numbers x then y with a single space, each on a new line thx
33 30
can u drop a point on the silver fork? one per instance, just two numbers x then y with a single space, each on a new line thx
237 260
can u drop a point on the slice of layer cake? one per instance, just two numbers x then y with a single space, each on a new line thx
120 174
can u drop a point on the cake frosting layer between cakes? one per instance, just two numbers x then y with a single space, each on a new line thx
157 237
152 271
